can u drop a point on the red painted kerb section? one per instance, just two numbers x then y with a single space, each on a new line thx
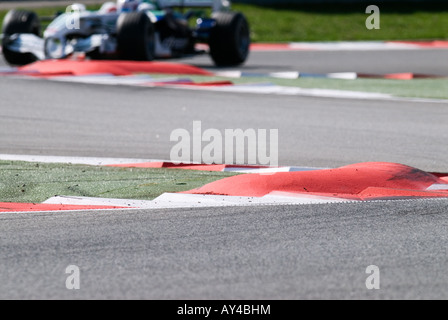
363 181
117 68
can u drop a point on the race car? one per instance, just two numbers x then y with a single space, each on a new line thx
131 30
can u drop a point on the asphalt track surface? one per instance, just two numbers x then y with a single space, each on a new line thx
424 61
274 252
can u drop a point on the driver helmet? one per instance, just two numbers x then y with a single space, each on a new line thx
128 5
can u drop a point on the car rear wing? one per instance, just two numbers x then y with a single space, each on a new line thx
216 5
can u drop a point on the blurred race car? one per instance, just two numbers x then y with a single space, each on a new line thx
130 30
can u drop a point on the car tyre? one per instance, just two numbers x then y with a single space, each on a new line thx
17 22
229 39
135 37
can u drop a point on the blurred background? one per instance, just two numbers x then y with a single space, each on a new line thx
313 20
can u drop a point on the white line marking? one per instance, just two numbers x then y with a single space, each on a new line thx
85 201
353 46
436 187
285 75
270 170
343 75
282 90
73 160
107 79
229 74
8 70
179 200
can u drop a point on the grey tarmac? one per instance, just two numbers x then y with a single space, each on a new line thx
272 252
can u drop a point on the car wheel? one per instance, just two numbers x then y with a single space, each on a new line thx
229 39
135 37
17 22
